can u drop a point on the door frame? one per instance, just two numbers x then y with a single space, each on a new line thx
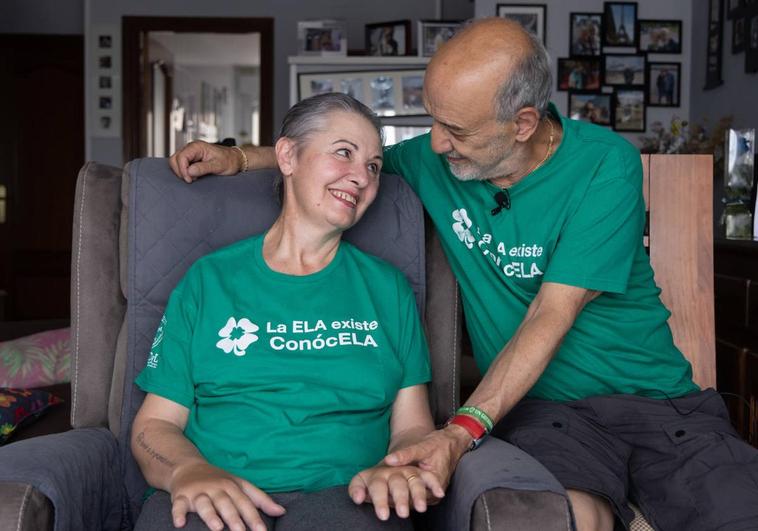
133 86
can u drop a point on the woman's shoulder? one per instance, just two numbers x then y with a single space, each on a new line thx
228 254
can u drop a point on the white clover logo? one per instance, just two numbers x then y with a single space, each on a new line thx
461 227
237 336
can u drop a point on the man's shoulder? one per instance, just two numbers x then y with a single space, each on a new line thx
601 140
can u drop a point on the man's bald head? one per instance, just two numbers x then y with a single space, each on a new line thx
494 60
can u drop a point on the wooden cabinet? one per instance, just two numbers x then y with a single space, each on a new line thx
736 302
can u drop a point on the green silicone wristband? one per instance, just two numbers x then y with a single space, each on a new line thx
478 414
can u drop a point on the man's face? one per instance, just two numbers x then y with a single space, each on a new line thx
466 131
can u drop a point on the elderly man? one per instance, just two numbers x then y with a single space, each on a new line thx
541 218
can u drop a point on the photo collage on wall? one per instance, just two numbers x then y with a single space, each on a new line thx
105 82
609 75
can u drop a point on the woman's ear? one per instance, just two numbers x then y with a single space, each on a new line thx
286 155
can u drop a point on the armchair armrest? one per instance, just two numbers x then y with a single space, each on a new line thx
79 471
22 507
501 483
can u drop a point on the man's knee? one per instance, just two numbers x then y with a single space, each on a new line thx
591 512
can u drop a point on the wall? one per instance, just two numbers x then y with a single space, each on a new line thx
61 17
737 95
557 31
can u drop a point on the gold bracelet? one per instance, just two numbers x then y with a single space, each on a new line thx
244 158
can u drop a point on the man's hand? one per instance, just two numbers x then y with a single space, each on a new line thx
386 486
200 158
219 498
438 452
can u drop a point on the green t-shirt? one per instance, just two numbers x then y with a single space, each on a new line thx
289 380
577 220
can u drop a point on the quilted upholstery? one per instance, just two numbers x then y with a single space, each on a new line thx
171 224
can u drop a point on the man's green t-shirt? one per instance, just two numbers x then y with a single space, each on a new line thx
577 220
289 380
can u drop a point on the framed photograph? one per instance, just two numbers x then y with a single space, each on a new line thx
624 70
738 35
714 48
620 24
104 61
585 32
664 82
532 17
322 37
105 102
594 108
629 110
104 82
104 41
433 33
660 36
734 8
579 73
397 133
751 41
386 92
388 38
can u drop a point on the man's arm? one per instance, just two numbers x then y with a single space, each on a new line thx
200 158
513 372
172 463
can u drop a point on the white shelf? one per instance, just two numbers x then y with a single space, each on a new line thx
357 60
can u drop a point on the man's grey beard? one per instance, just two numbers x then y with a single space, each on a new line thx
474 174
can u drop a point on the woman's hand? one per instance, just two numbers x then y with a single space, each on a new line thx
219 498
386 487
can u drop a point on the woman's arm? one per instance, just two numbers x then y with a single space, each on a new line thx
386 486
172 463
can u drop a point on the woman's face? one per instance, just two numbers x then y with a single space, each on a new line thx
333 177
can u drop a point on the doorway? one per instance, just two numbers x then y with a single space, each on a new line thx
196 78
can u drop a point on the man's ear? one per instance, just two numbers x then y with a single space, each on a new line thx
527 120
286 155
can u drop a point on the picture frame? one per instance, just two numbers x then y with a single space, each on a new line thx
579 74
434 33
629 110
394 134
620 24
388 38
664 84
105 41
751 40
714 48
585 34
322 37
595 108
660 36
533 17
386 92
734 8
738 34
627 70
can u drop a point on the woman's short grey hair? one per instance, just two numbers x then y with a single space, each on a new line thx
309 116
528 85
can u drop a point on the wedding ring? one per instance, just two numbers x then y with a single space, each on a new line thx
411 477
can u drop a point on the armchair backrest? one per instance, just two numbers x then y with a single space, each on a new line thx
134 247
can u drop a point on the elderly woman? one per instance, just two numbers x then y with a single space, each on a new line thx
288 364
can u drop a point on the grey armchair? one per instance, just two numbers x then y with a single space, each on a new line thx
135 234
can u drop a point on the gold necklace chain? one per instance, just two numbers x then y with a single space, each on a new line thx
549 149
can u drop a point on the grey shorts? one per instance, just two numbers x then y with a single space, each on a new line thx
678 459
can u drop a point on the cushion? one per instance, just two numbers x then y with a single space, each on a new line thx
20 406
36 360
